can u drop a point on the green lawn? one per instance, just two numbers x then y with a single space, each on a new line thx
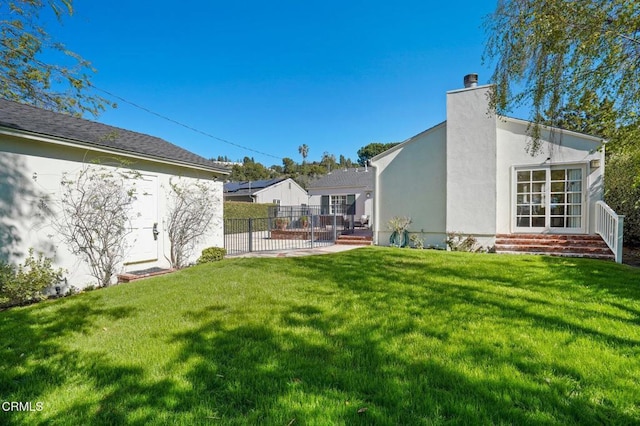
371 336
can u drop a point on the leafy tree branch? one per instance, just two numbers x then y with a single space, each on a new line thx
26 77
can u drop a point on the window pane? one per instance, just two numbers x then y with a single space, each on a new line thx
537 221
538 210
523 210
574 198
574 210
575 186
524 176
557 174
537 187
539 175
523 188
574 222
557 222
574 174
523 221
557 210
557 186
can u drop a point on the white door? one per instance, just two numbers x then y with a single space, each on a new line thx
550 199
143 239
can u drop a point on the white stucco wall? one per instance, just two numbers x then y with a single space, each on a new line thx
459 176
561 148
471 163
410 180
288 192
33 169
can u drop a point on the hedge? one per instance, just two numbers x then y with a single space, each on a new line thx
239 210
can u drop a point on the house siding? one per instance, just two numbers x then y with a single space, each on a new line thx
471 163
33 169
288 192
557 149
363 205
358 182
459 175
411 181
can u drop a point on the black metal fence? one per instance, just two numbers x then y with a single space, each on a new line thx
286 228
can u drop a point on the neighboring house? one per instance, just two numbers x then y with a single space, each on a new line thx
281 191
352 188
38 147
472 174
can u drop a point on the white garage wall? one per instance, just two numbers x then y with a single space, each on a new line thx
32 171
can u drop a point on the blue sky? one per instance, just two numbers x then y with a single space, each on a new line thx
271 76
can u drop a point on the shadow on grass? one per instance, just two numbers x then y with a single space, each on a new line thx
33 358
451 280
440 284
254 374
369 353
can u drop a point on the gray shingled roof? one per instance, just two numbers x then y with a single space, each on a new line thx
359 178
14 115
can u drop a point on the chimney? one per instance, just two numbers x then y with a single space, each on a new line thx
470 81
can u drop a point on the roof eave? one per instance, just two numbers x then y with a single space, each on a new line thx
99 148
520 121
406 142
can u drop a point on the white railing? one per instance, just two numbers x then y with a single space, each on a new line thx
609 227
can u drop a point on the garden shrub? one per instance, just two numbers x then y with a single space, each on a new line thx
212 254
243 212
458 242
239 210
25 283
280 222
417 241
622 192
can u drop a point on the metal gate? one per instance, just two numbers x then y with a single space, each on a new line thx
286 228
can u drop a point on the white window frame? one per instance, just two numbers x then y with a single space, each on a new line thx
547 199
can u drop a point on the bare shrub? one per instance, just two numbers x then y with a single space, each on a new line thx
190 215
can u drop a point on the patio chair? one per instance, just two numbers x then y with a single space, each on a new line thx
363 222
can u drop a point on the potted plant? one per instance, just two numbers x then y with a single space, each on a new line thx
281 223
304 221
399 231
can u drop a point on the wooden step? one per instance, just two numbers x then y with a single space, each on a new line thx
566 245
138 275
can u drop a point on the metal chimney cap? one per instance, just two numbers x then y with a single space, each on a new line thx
470 80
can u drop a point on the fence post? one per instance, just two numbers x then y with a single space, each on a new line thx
250 235
619 242
311 224
335 226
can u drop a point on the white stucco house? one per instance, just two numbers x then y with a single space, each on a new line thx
472 174
352 188
38 147
280 191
